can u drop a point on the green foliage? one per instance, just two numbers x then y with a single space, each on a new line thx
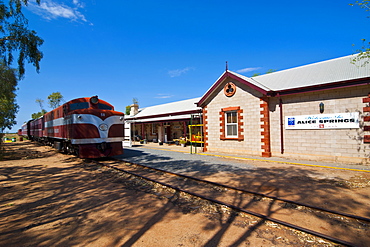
128 109
270 71
364 52
15 37
55 99
363 4
267 72
8 106
38 114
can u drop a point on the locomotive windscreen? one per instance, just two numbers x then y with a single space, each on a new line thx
104 107
78 106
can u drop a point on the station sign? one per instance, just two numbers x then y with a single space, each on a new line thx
348 120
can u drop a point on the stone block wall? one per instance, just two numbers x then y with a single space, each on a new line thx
339 145
248 102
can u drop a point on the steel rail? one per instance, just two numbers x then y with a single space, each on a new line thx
352 216
262 216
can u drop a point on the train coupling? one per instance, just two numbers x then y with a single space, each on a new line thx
103 146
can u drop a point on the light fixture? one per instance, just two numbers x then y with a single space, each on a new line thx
321 107
103 127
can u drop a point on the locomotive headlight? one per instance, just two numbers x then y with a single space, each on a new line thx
103 127
79 116
121 118
94 100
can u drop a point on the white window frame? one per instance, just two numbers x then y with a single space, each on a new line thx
227 135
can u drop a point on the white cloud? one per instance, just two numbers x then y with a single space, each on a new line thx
78 4
163 96
49 10
248 70
178 72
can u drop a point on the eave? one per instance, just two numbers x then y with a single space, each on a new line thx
223 77
322 87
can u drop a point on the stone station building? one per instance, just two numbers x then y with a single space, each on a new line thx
317 111
166 123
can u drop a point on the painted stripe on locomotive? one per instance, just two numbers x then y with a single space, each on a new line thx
86 126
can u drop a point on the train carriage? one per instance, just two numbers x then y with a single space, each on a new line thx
88 127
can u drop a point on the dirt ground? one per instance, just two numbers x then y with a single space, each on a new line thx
52 199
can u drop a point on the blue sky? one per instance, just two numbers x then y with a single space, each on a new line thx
164 51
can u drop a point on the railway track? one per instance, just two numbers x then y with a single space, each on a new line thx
272 209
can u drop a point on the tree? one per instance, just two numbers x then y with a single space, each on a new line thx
256 74
8 106
364 51
38 114
267 72
128 109
270 71
15 37
363 4
55 99
40 102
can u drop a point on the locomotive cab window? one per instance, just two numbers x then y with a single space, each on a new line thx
104 106
78 106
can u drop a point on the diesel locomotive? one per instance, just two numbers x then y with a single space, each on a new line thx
87 127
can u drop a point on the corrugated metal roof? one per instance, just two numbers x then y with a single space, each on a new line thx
159 119
174 107
251 80
330 71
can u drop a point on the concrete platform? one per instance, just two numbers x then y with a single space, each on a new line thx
199 151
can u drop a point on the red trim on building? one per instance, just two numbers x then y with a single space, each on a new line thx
165 115
298 90
231 109
322 87
205 129
366 119
366 138
366 109
265 119
222 79
223 123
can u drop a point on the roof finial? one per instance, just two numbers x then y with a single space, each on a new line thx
227 66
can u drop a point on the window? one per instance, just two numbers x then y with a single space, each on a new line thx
104 106
231 124
78 106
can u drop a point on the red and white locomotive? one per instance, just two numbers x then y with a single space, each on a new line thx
87 127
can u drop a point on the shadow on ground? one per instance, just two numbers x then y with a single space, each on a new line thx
77 203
